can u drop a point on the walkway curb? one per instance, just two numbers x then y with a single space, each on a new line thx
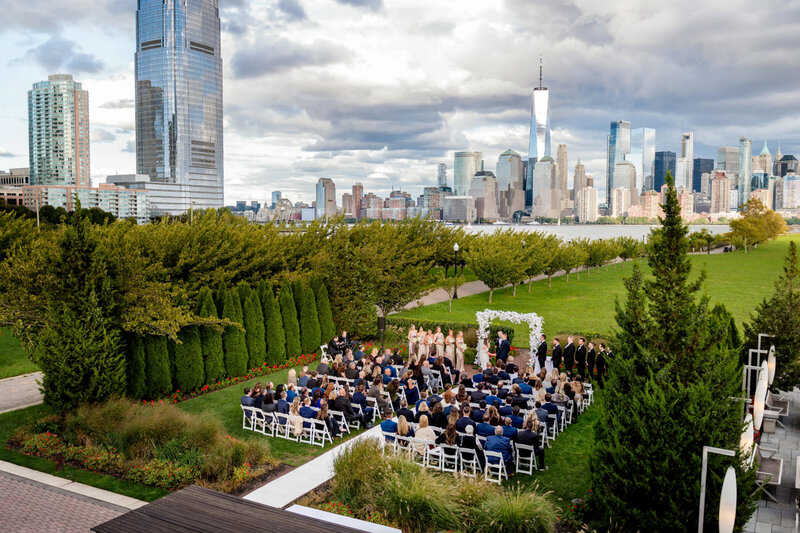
102 495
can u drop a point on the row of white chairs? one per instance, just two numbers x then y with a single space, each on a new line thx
313 432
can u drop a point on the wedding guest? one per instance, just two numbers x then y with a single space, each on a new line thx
412 341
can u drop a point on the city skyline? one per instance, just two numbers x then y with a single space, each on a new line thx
336 95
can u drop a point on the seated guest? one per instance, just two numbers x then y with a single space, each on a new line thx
493 397
247 399
477 378
424 432
405 411
434 397
541 413
290 393
502 374
449 437
484 429
283 405
291 377
315 399
427 374
307 411
313 382
511 368
570 393
469 442
389 426
423 412
465 419
269 405
448 393
551 408
375 392
502 392
461 395
358 354
494 416
387 375
351 372
258 395
516 420
525 388
344 405
403 429
438 418
500 444
322 367
412 392
509 431
507 407
333 346
453 405
302 379
396 359
477 414
529 437
552 388
330 422
478 394
517 399
423 398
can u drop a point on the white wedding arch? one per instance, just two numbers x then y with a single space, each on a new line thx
487 315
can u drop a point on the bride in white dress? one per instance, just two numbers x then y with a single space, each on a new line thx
483 354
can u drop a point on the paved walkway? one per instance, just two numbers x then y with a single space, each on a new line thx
779 517
20 392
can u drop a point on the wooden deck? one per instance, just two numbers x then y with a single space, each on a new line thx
196 509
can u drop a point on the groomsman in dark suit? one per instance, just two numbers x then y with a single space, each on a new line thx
541 351
591 356
569 354
503 347
601 365
557 353
580 356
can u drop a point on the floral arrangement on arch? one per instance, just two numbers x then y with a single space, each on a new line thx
533 320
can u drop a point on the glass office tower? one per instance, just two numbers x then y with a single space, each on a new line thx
745 169
179 102
618 146
664 162
643 155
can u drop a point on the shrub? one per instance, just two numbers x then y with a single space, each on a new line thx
157 366
326 325
189 359
163 474
43 445
136 367
516 511
309 321
359 474
273 324
233 339
254 331
210 339
421 501
291 328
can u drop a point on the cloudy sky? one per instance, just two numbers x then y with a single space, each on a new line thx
382 91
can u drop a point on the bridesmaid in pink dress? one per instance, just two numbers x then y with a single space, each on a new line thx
412 340
460 347
449 346
438 340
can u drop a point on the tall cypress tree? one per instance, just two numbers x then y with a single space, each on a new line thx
297 293
309 321
210 339
157 367
136 367
188 360
233 338
273 325
254 331
671 390
219 297
244 291
291 328
326 325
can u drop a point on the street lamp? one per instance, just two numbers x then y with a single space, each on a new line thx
455 251
727 501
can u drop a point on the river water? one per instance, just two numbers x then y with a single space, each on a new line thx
588 231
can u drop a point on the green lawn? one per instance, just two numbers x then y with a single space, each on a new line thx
737 280
13 361
11 421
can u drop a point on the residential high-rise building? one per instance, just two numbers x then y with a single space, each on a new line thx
348 207
509 171
561 174
326 198
465 165
685 164
178 75
762 163
58 132
745 169
539 141
786 164
358 193
484 190
665 162
700 166
121 202
276 197
442 175
546 194
586 204
720 192
620 201
728 160
579 178
643 155
791 191
617 147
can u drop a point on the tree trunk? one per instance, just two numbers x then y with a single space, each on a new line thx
491 291
446 268
530 282
567 276
588 271
549 281
451 304
514 293
506 291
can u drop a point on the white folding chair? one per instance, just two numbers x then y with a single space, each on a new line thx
448 458
320 433
259 421
307 436
495 472
438 379
323 350
470 466
590 391
247 418
339 418
403 445
389 441
283 426
373 403
552 426
270 423
526 462
418 450
563 423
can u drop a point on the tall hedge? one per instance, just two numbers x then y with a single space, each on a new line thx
210 339
219 297
326 326
237 306
189 360
309 321
273 325
297 293
233 340
291 328
157 367
244 291
135 368
254 331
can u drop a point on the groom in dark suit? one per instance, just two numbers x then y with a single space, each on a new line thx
569 354
580 356
541 351
503 347
557 353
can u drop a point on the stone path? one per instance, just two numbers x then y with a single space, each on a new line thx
19 392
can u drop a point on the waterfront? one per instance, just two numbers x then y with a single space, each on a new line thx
590 231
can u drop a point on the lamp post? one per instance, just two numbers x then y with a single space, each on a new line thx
455 252
727 502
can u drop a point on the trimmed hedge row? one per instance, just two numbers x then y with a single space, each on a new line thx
455 326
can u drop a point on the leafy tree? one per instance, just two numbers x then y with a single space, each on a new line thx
189 360
273 324
291 327
756 224
537 253
157 367
450 286
574 257
497 259
326 325
558 261
674 386
595 253
254 331
630 248
210 339
233 340
135 368
309 322
778 316
15 231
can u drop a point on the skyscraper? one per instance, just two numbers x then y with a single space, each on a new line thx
745 162
642 155
665 162
561 171
539 141
618 145
442 177
728 160
276 197
358 193
179 102
685 164
465 165
58 132
326 198
699 167
579 179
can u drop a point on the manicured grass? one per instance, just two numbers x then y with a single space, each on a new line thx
11 421
225 404
13 361
738 280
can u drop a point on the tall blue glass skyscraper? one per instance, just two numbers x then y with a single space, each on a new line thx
179 103
701 166
665 162
618 146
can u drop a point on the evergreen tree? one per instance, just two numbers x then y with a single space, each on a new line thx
157 367
291 328
233 340
189 360
219 297
237 306
273 324
244 291
297 294
326 325
135 367
779 316
210 339
171 353
254 331
309 321
671 391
